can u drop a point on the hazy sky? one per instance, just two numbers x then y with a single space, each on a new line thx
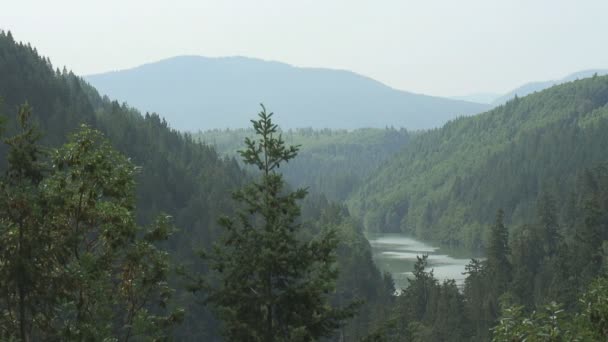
437 47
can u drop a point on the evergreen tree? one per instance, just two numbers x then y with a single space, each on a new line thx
547 217
497 269
413 305
273 285
526 259
498 264
476 295
593 230
449 323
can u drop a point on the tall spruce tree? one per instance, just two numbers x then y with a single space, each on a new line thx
498 252
498 264
548 224
273 284
476 294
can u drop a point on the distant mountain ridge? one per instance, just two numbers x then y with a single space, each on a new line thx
532 87
195 92
486 98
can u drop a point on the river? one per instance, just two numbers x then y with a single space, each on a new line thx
396 253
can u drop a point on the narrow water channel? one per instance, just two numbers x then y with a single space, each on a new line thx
396 253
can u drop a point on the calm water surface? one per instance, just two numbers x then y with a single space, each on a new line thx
396 253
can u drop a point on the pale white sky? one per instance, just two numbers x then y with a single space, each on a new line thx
437 47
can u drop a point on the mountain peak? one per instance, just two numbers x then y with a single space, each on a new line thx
196 92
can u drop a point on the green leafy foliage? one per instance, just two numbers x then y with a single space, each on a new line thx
548 324
76 264
552 323
594 304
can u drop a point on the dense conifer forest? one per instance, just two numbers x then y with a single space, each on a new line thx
116 227
447 184
175 176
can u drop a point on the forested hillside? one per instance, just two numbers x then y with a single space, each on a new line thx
176 175
332 162
447 184
543 280
195 92
163 186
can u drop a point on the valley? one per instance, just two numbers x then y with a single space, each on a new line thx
197 198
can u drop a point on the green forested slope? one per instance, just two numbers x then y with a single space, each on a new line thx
333 162
178 176
448 183
541 158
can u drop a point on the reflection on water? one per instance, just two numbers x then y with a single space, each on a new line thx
396 253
